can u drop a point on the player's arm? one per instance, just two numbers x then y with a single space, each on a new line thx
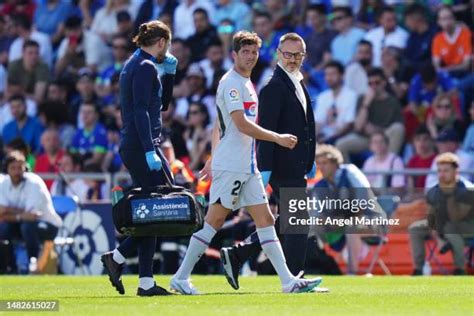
251 129
142 89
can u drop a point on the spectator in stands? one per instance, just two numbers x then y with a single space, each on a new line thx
452 47
181 51
80 48
444 116
30 71
450 214
204 35
18 144
468 145
86 89
263 26
24 31
91 140
215 65
426 85
54 115
344 45
57 91
112 161
448 141
120 53
335 107
16 7
387 34
383 160
197 134
234 10
153 10
379 112
97 189
226 30
423 158
182 28
319 40
397 73
15 88
23 125
418 49
7 37
104 23
70 163
181 175
26 209
355 76
173 130
48 161
368 12
50 16
195 92
125 27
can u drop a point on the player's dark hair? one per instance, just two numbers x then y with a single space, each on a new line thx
428 73
30 43
243 38
386 9
320 8
384 136
201 11
17 97
73 22
365 42
336 65
151 32
376 72
347 11
261 14
416 9
13 156
422 130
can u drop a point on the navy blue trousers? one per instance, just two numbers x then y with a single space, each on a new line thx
136 164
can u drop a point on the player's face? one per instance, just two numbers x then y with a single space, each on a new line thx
163 46
246 58
327 167
446 173
291 55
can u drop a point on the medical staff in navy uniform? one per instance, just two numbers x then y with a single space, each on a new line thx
143 95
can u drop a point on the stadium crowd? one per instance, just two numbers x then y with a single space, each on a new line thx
391 81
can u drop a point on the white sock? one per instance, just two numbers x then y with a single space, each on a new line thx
197 245
118 257
272 248
146 283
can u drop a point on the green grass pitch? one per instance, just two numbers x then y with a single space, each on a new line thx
257 296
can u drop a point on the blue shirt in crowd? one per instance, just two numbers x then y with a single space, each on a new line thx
344 46
90 141
418 94
30 133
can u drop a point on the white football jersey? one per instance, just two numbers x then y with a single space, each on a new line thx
235 151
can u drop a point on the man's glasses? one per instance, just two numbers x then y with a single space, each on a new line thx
194 112
338 18
289 55
445 106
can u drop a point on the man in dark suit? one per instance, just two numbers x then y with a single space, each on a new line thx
284 107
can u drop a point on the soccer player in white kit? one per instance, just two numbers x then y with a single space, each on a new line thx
236 181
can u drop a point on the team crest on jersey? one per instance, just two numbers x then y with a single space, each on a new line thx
234 95
250 108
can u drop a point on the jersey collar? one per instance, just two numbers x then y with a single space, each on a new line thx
140 52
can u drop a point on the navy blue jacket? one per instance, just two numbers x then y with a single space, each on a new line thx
142 97
280 111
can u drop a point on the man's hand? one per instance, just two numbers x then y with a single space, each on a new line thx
287 140
169 64
205 174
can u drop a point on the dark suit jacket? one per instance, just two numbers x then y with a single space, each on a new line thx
280 111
